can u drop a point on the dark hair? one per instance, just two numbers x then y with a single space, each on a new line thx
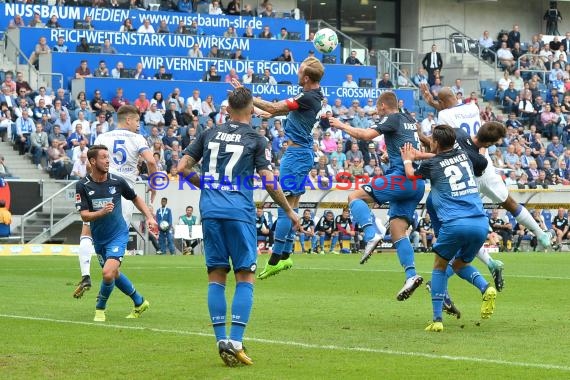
164 199
2 203
240 98
93 152
491 132
444 136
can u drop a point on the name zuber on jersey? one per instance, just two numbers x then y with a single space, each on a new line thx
227 137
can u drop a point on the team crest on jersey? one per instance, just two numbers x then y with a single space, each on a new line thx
383 120
112 190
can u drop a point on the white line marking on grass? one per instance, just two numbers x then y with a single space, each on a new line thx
304 345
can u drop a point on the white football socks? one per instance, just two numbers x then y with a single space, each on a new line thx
86 249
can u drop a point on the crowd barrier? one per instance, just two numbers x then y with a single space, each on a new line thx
132 88
162 44
112 19
184 68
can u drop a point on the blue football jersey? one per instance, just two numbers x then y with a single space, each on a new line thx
398 129
303 116
454 191
464 141
231 154
93 196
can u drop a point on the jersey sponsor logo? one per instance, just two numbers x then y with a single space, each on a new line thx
253 267
99 203
77 197
91 192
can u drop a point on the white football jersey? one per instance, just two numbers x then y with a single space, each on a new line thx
124 150
465 116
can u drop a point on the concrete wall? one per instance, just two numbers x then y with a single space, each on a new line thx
474 17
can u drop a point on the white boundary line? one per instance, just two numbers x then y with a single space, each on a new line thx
305 345
135 268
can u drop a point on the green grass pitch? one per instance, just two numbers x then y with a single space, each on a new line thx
326 318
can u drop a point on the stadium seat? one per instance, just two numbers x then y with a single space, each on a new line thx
488 90
547 215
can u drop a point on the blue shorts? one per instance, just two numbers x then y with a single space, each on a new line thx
436 224
295 166
402 194
230 239
114 249
462 238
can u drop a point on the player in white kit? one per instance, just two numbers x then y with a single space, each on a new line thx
490 184
125 146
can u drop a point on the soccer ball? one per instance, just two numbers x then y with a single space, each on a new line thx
325 40
164 225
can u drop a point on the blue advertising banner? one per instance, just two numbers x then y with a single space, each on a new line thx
184 68
132 88
176 45
112 19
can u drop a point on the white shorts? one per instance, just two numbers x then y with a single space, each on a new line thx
128 208
491 184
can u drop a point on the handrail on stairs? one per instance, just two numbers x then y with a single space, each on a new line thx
435 31
49 200
31 67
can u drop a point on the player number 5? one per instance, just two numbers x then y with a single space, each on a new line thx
119 152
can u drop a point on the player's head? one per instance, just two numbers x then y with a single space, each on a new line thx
387 103
240 102
189 210
329 215
345 212
307 214
443 138
311 71
128 117
259 211
447 98
98 156
491 133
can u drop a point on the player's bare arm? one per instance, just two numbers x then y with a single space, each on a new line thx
358 133
141 206
89 216
151 167
408 157
428 97
185 166
425 140
274 109
272 188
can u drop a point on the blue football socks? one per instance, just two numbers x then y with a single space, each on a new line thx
406 256
104 294
126 286
241 309
470 274
217 308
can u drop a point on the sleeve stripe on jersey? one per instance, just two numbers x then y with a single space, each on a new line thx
143 148
292 104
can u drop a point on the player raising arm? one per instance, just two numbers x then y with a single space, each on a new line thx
402 194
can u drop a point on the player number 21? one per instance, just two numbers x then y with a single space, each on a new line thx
456 172
235 150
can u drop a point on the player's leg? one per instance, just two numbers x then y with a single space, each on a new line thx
473 235
334 241
110 272
217 264
523 216
243 255
358 203
86 250
438 291
423 237
295 165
